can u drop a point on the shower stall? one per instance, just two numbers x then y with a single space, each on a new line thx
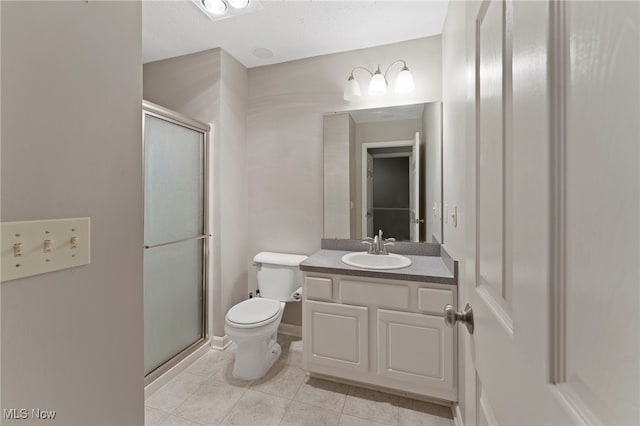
175 237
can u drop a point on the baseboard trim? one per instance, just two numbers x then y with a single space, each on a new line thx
220 343
152 387
457 415
290 330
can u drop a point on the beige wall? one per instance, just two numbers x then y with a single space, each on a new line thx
234 232
211 86
284 136
432 131
72 340
353 217
337 129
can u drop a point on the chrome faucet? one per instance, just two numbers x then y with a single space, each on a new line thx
377 245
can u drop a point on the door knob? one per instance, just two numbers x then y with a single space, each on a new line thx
465 317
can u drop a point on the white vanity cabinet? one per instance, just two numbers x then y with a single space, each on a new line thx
387 333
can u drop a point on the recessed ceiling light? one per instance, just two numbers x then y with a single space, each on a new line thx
238 4
217 7
222 9
262 53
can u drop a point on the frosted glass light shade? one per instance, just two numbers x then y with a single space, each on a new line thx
351 89
404 82
216 7
238 4
377 85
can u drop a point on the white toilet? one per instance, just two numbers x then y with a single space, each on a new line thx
253 323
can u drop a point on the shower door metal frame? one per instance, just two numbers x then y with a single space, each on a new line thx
162 113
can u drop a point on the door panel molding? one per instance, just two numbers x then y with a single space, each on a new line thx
495 288
591 303
559 66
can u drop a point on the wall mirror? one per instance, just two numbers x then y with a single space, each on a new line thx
383 170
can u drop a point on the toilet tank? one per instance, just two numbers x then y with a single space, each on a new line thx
278 275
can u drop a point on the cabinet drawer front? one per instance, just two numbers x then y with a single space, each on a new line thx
336 335
318 288
364 293
433 300
415 348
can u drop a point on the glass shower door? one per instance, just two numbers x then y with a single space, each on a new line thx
175 234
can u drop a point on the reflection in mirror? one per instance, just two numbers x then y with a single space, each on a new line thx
383 170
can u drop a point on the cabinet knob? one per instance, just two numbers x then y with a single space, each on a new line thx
465 317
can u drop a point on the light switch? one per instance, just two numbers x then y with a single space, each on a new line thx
41 246
454 216
17 249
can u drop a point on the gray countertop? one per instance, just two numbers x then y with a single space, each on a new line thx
423 268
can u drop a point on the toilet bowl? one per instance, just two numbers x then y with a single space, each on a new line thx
253 324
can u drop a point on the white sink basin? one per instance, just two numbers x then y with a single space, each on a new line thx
376 261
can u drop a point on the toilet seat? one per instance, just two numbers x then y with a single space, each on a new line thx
253 313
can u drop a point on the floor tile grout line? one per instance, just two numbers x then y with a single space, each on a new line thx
189 394
246 389
182 418
362 418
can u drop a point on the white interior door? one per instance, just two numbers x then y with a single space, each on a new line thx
414 191
552 274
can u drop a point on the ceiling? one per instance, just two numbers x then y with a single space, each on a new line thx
292 29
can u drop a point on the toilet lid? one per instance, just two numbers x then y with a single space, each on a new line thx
253 311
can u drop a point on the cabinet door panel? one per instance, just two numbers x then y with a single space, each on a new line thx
415 348
337 335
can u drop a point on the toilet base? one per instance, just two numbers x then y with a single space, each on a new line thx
254 359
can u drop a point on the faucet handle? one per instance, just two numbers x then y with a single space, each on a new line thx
370 243
385 243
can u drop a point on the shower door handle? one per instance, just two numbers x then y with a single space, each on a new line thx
199 237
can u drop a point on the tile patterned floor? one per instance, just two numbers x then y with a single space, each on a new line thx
207 394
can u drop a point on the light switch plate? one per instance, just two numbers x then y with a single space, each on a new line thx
40 246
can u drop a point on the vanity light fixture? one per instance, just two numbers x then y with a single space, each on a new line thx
220 9
378 83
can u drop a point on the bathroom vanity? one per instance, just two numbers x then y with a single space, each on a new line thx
382 328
